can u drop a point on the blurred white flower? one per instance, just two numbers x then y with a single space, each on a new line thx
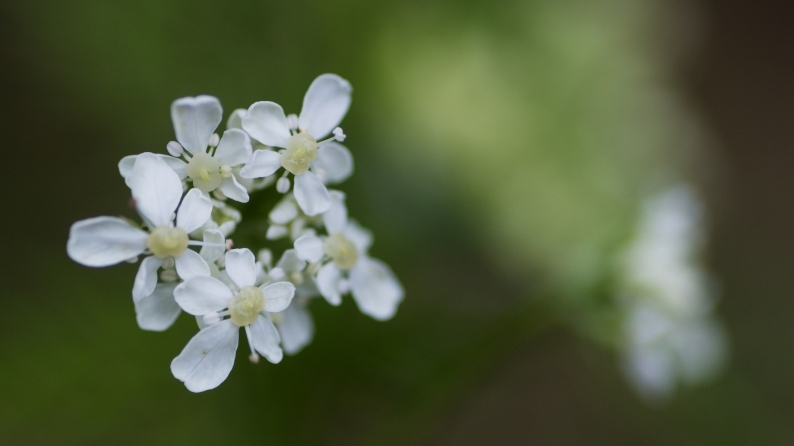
208 358
209 166
295 324
670 335
314 163
344 265
157 190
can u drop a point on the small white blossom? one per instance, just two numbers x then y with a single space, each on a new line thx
325 104
211 163
156 189
346 265
208 358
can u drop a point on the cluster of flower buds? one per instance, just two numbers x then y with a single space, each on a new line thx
184 199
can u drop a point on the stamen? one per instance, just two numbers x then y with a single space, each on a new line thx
211 318
282 185
226 171
200 243
169 275
344 286
175 149
254 357
214 140
292 121
339 135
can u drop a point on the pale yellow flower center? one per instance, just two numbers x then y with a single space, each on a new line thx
244 308
301 151
164 241
343 252
205 171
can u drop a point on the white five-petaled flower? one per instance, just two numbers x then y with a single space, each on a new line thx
208 358
346 265
211 164
312 163
157 190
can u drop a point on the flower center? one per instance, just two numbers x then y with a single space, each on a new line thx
205 172
343 252
164 241
244 308
301 151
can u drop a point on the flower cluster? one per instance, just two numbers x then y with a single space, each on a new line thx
670 334
183 200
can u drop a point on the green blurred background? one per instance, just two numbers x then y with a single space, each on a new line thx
502 152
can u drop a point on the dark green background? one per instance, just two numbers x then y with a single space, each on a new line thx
481 351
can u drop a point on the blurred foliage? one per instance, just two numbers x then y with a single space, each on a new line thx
501 153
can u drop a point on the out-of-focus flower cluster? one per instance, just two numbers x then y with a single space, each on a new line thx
669 334
184 201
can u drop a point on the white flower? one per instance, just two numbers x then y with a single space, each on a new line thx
208 167
208 358
662 348
346 265
669 334
295 324
287 219
312 163
157 190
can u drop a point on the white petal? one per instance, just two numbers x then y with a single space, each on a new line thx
158 310
155 187
195 210
266 123
201 295
360 237
128 162
241 266
311 194
278 296
275 232
214 245
234 148
146 278
335 218
290 262
263 163
283 212
177 165
234 190
104 241
191 264
296 328
325 104
309 247
208 358
328 278
335 160
235 120
265 339
195 120
375 288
